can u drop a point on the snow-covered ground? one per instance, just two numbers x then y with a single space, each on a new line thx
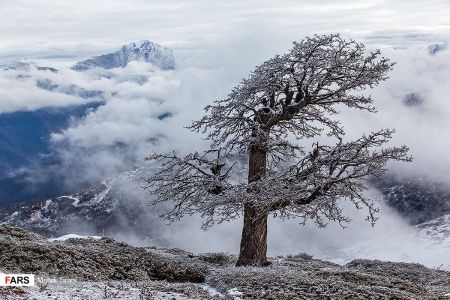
87 290
73 236
107 269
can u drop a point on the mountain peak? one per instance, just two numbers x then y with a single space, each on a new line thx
144 50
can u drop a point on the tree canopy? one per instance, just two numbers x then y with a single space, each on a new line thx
289 98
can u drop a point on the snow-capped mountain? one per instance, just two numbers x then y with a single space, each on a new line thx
144 50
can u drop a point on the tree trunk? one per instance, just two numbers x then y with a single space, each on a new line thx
253 250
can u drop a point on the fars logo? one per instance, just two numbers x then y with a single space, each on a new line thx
16 280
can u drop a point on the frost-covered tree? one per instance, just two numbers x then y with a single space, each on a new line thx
288 98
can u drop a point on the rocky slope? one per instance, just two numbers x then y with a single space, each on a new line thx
105 269
116 205
438 230
417 199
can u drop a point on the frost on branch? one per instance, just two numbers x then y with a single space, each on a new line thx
295 93
195 183
311 188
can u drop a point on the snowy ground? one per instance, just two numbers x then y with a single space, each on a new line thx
88 269
86 290
73 236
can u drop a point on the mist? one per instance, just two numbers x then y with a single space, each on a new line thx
390 239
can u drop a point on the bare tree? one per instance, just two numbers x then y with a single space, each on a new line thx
288 98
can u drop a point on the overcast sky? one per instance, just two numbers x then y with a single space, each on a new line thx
54 28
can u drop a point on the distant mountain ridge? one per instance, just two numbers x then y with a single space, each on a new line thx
25 66
145 50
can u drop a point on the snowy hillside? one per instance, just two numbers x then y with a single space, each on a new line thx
438 230
144 50
114 205
417 199
99 205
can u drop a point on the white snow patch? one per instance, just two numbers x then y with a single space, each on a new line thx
170 296
73 236
212 291
76 200
37 217
235 294
100 196
47 203
14 214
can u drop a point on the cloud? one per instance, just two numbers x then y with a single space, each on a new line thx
136 118
421 126
18 91
44 29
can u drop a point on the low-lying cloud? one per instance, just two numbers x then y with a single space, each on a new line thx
18 92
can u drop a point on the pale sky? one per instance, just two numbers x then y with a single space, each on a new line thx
53 28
